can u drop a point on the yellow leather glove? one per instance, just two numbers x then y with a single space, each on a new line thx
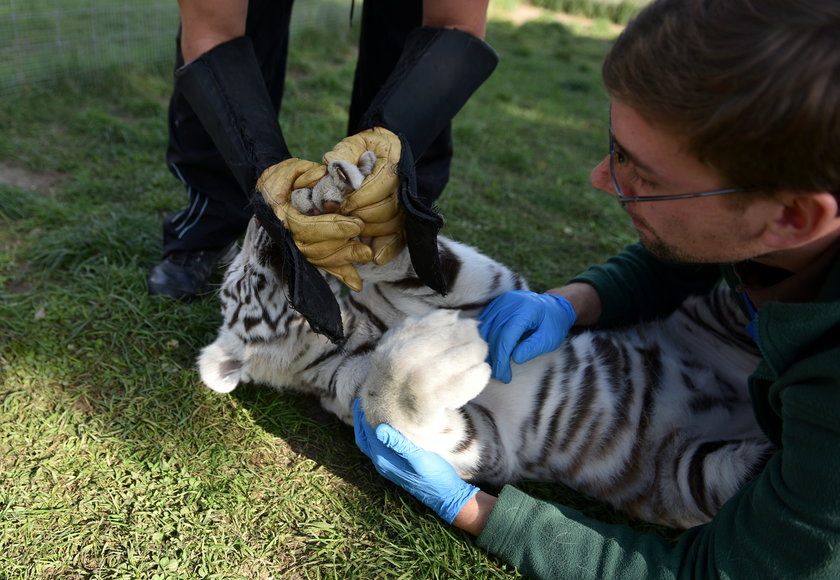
375 201
328 241
372 211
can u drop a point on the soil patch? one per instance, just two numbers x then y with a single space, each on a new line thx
41 183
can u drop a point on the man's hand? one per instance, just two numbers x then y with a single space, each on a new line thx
425 475
523 325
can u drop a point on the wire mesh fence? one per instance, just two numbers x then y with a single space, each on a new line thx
41 40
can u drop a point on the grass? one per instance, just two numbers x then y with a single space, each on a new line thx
619 11
40 38
115 461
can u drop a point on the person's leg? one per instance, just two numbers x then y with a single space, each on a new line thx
385 26
217 213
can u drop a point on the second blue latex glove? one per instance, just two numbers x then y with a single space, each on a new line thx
523 325
425 475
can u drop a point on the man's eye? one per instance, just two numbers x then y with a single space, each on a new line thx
620 158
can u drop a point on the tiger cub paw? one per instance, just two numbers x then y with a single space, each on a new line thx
423 367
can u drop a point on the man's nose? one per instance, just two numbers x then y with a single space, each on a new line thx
600 177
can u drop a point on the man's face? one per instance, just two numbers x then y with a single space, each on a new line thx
701 229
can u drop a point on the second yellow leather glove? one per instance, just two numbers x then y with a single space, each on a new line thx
375 201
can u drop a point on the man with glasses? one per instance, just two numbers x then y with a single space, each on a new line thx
723 151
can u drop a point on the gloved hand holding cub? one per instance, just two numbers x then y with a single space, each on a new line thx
369 211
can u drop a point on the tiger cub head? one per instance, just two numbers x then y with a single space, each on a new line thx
328 195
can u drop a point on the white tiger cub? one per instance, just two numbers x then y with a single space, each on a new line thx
654 419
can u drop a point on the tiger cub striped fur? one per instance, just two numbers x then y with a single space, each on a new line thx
654 419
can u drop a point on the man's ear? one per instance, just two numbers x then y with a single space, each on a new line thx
799 218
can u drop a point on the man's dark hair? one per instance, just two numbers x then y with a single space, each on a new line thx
753 86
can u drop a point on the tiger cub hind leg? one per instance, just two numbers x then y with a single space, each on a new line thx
421 373
693 480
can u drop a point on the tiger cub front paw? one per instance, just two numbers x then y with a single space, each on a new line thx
424 366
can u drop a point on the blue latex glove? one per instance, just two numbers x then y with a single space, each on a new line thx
523 325
425 475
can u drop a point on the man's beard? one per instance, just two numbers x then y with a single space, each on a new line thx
666 252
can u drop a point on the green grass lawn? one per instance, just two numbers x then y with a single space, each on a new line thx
115 461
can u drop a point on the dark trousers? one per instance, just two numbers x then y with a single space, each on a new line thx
218 210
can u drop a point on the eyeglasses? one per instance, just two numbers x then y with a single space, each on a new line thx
619 164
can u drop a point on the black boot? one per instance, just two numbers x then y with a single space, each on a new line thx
186 275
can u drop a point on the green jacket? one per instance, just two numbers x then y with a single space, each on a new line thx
785 523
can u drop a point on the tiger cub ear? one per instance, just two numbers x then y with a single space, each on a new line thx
349 176
220 369
366 162
346 174
302 201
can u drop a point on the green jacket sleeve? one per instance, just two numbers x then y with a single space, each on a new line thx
634 285
547 540
785 523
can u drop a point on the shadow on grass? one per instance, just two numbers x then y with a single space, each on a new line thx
308 429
